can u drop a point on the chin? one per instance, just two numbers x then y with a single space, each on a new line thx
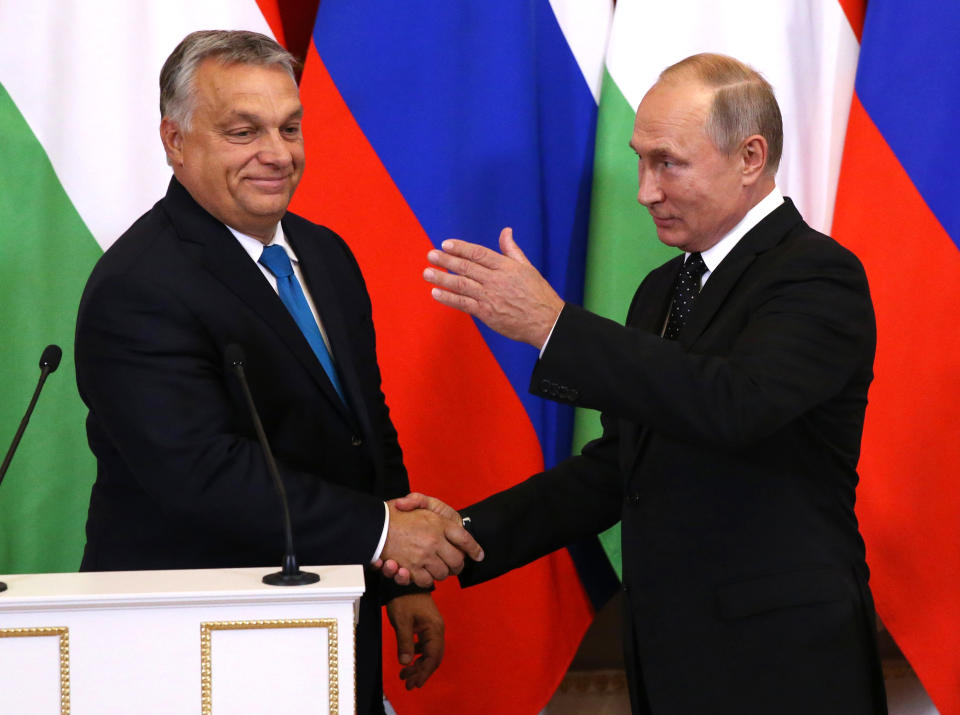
672 239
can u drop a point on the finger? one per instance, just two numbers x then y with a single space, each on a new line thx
472 252
388 568
457 265
403 625
509 247
437 568
431 646
378 564
421 577
444 510
469 286
462 539
451 556
403 577
467 305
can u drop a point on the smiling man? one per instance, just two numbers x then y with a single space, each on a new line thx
181 478
732 401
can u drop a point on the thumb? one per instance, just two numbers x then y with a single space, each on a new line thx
509 247
411 501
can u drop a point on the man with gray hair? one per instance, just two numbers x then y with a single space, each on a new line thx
181 478
732 404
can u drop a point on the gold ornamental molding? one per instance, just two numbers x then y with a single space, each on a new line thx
206 668
64 634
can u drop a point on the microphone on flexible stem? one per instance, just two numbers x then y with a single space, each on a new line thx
49 362
289 574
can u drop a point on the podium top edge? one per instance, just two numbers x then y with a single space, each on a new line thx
107 588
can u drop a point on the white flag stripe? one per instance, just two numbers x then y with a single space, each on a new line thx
586 25
85 77
805 48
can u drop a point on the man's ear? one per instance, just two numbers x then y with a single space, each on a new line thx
172 137
753 157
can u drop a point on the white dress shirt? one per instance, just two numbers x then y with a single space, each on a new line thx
254 248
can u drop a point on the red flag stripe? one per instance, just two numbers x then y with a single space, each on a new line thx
462 427
909 496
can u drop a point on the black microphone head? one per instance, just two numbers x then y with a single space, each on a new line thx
51 358
234 355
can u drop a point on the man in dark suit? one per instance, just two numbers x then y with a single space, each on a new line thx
733 402
181 478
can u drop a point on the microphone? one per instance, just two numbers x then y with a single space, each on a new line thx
49 362
289 574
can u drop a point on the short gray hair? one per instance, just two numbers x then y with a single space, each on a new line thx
743 103
177 91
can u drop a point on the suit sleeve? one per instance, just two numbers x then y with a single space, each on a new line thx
806 330
157 384
548 511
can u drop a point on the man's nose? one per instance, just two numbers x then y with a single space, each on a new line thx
275 149
648 192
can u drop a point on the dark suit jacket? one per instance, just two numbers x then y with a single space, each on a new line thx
730 457
181 479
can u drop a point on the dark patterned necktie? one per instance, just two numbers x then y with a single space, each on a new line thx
685 294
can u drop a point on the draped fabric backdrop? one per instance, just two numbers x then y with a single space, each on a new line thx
455 119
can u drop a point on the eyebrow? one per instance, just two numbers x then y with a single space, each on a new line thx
654 153
256 119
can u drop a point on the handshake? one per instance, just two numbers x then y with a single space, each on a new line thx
426 541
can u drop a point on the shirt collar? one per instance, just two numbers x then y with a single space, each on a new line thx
254 246
716 253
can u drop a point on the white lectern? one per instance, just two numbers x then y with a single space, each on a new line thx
212 641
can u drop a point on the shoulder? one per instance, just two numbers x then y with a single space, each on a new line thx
139 247
311 240
814 253
308 230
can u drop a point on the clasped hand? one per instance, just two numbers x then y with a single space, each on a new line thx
426 541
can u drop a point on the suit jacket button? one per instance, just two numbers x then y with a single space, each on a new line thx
356 441
633 499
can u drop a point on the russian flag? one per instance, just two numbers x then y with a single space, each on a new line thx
898 208
434 120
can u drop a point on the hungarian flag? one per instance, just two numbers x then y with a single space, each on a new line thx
434 120
80 160
898 208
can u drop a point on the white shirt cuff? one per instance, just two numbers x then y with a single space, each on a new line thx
549 335
383 536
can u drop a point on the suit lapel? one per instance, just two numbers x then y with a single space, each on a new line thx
228 263
648 313
760 238
653 299
653 303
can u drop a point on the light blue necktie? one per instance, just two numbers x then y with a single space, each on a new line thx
291 293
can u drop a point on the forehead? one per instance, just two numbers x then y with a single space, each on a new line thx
221 84
671 114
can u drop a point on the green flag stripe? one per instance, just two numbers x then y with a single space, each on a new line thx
46 254
622 246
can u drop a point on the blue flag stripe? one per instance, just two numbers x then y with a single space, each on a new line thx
907 82
482 117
